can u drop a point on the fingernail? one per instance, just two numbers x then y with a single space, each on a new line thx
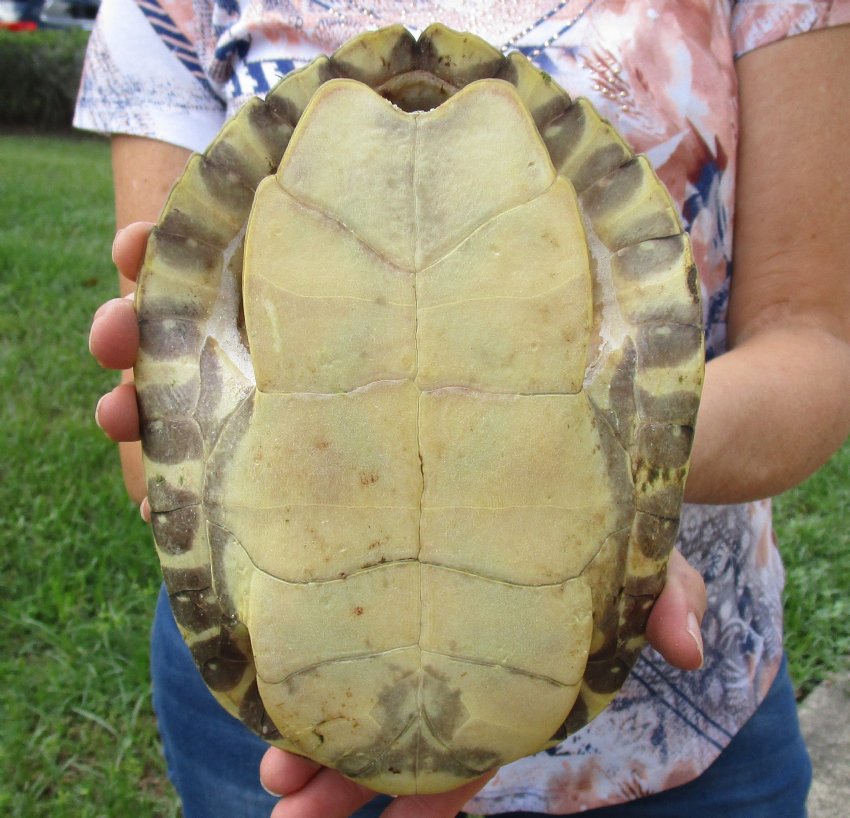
271 792
91 332
97 413
117 235
696 634
145 510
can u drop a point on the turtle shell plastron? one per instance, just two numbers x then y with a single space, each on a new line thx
420 361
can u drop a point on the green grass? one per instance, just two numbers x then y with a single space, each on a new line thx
79 577
813 530
77 737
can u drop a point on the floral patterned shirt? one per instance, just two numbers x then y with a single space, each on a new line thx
663 71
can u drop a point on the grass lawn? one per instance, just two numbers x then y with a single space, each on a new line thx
79 572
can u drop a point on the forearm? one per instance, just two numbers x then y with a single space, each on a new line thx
773 410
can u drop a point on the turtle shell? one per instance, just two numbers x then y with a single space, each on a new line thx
420 361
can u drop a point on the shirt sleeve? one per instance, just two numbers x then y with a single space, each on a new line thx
761 22
142 76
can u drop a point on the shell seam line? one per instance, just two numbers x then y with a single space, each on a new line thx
510 668
448 750
489 221
319 211
431 390
359 657
325 215
200 502
605 542
265 573
441 305
288 291
375 762
417 255
256 507
478 299
353 657
380 565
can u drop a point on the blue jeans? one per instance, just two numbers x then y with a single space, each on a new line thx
213 761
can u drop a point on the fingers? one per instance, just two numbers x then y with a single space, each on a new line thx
128 248
673 628
440 805
114 336
282 773
309 790
118 414
312 791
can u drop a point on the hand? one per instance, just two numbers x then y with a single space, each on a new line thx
311 790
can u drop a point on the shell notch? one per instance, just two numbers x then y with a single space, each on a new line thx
417 384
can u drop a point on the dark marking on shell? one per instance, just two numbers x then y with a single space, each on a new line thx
165 497
633 618
416 91
608 195
210 393
654 536
662 446
577 718
175 531
189 255
159 400
222 543
618 468
665 499
172 441
672 407
563 136
287 100
398 59
458 71
606 574
253 713
445 713
667 345
232 431
620 411
694 290
195 611
166 339
397 759
395 703
650 585
547 108
643 260
274 132
208 410
606 676
188 580
641 263
223 659
268 129
659 463
180 223
224 183
630 653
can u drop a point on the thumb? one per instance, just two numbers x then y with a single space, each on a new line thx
673 628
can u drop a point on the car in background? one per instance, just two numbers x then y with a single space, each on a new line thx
27 15
69 13
20 15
